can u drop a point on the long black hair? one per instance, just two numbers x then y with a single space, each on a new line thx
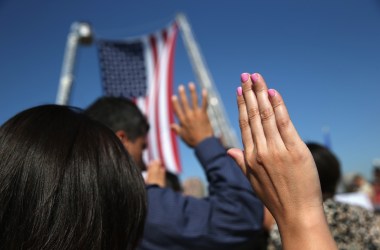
66 182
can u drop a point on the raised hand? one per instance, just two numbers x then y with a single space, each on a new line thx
278 164
194 125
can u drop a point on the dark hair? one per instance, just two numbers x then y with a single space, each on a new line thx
66 182
119 113
328 167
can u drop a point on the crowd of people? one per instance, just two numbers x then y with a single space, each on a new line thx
73 179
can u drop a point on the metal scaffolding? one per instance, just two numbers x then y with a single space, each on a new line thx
80 33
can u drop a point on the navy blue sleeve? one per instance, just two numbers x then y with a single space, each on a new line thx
229 217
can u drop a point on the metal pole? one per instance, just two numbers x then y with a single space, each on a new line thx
218 117
80 33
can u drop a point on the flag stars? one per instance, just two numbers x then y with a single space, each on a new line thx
123 68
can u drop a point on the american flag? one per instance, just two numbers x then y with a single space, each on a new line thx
143 71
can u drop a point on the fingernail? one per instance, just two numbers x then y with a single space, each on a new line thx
271 92
244 77
254 77
239 91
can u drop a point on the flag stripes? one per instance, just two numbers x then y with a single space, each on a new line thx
157 51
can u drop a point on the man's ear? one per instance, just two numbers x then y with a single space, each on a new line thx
122 135
124 139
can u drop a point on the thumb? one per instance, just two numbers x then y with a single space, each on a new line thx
176 128
238 156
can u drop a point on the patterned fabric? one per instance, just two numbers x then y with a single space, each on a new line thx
353 227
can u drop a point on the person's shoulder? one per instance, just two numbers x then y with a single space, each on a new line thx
337 212
331 204
352 226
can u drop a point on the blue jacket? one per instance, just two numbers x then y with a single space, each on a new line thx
229 218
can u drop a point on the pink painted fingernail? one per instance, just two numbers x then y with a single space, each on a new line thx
271 92
254 77
244 77
239 91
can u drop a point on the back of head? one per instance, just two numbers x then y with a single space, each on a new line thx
66 182
328 167
119 113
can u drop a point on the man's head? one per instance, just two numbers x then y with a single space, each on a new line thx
125 119
328 167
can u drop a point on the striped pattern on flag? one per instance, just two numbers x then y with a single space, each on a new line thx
143 70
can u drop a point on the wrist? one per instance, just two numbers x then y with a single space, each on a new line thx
302 218
200 140
306 229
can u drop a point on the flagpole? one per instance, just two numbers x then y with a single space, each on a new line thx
218 117
80 33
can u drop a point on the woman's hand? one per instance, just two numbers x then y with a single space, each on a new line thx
276 161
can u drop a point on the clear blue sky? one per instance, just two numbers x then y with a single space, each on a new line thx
323 56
